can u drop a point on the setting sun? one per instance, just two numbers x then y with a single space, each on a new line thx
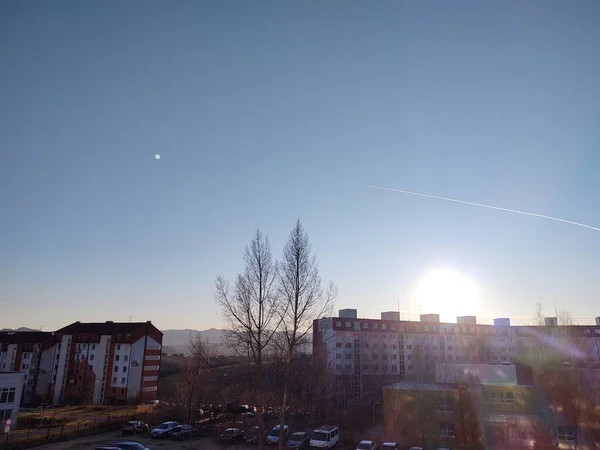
448 293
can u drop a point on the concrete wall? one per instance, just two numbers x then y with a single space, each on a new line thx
136 368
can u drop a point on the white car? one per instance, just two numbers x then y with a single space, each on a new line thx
367 445
389 446
325 437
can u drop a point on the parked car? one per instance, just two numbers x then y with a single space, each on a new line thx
273 436
135 426
207 430
325 437
251 435
124 445
183 432
164 429
366 445
231 436
389 446
298 440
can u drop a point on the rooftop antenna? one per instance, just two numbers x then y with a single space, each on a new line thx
130 317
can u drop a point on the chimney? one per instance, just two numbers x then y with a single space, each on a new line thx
551 321
598 321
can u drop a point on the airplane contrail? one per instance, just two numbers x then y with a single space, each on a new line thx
464 202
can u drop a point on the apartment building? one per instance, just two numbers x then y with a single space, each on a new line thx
29 353
495 408
11 388
367 354
106 362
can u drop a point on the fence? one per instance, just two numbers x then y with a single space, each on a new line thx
34 436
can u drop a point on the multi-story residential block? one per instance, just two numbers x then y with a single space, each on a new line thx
29 353
366 354
106 363
468 406
11 387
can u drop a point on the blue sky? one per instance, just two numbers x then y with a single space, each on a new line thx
256 108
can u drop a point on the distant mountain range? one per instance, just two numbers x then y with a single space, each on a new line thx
177 341
18 329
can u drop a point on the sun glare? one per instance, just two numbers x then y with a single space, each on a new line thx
447 292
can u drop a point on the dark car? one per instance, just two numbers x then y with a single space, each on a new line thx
135 426
207 430
183 432
251 435
164 429
392 445
299 440
232 436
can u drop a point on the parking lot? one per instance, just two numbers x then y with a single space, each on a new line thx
91 442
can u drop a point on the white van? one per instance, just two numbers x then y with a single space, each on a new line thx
325 437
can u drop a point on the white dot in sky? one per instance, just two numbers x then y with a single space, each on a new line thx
157 156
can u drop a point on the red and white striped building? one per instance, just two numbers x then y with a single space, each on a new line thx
106 362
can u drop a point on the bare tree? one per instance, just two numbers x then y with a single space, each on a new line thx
540 318
564 318
303 299
251 310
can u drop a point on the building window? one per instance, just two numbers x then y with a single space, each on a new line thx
394 368
348 367
447 430
338 323
7 395
394 356
348 324
375 367
92 368
114 379
409 367
384 326
366 345
365 367
446 404
116 368
510 397
338 345
409 357
566 433
116 357
489 397
93 347
409 347
338 356
348 355
123 380
122 391
124 369
118 346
